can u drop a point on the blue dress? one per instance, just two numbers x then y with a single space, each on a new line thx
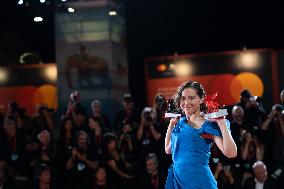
190 154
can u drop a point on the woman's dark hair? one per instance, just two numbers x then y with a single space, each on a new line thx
62 131
191 84
96 119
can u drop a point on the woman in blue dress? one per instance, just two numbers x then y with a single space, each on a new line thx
189 139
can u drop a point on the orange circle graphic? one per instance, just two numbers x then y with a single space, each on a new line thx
246 80
46 94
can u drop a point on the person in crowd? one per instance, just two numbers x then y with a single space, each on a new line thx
42 119
225 177
272 129
260 179
238 125
149 135
5 181
254 112
76 111
14 151
251 150
160 108
101 179
96 110
43 154
96 134
118 168
82 162
282 97
128 114
43 176
126 143
155 177
64 147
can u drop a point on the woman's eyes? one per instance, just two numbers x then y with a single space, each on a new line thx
190 98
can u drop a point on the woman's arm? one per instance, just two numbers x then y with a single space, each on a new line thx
156 135
173 122
266 123
244 150
140 129
112 165
226 144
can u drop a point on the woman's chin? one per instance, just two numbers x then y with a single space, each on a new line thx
188 112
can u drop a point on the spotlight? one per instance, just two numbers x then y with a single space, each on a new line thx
38 19
20 2
112 13
71 9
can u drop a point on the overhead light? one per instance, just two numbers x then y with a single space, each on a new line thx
51 73
3 75
42 1
112 13
20 2
71 9
38 19
249 60
63 0
183 68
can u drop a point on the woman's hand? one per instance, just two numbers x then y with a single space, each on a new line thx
174 121
219 120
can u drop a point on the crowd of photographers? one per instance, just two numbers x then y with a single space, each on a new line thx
90 151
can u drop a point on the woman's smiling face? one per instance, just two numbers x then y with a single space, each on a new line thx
190 101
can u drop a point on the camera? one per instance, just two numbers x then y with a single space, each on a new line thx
75 96
226 168
148 114
15 108
253 99
45 108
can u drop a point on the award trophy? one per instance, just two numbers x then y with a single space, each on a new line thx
213 110
172 111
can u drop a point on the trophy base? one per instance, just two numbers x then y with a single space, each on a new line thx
220 113
172 115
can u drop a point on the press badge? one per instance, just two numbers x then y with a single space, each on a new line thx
81 166
145 142
14 157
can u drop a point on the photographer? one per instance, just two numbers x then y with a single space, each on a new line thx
14 111
225 177
76 111
13 151
96 110
82 162
160 108
254 112
251 150
282 97
148 134
42 119
127 114
126 143
272 130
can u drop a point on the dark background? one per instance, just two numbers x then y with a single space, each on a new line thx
154 28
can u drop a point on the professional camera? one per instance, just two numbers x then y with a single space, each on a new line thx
148 114
43 107
15 108
75 96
